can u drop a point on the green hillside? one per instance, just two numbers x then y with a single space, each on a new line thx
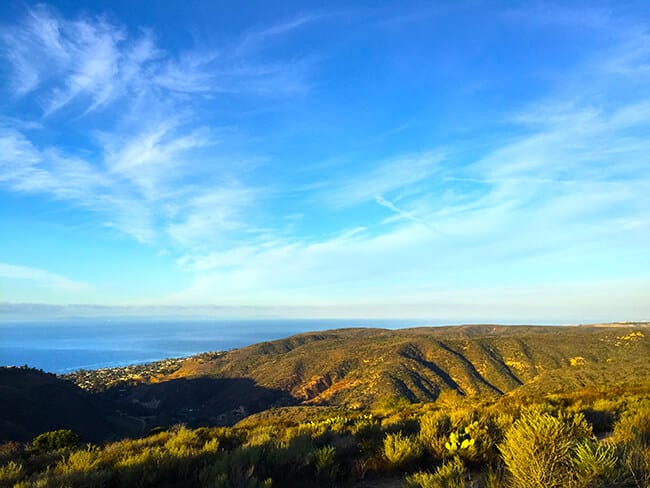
359 367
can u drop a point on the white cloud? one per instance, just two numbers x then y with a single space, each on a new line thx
42 278
570 187
148 176
570 195
94 63
382 178
207 217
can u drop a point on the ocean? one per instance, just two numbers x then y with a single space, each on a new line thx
64 346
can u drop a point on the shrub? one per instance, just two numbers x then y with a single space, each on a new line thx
184 442
237 468
325 463
434 432
634 425
401 450
211 446
537 449
289 460
635 465
79 461
452 474
11 450
10 473
56 439
261 435
494 478
595 464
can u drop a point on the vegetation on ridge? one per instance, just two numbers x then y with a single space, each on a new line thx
479 406
545 442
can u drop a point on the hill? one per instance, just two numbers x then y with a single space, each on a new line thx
359 367
347 368
34 402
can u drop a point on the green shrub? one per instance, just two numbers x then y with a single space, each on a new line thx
289 460
183 443
237 468
634 425
325 463
434 433
494 478
595 465
396 423
537 449
261 435
451 474
401 450
635 469
79 461
10 473
211 445
56 439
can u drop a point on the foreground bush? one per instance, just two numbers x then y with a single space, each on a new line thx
550 445
401 450
434 433
452 474
538 449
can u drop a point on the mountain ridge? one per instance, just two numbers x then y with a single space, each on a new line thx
348 368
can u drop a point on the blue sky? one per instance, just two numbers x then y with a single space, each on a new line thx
460 161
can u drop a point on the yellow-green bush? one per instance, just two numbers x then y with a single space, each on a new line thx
11 473
538 449
79 461
325 463
435 428
634 425
595 465
401 450
451 474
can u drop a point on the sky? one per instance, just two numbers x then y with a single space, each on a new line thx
460 161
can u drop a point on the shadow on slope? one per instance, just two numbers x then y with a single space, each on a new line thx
204 401
34 402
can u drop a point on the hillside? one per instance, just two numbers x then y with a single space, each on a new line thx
359 367
348 368
34 402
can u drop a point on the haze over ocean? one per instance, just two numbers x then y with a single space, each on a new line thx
68 345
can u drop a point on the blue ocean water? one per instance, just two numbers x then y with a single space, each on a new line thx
64 346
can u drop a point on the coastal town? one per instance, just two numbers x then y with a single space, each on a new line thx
96 380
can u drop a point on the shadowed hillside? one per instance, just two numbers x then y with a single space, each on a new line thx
34 402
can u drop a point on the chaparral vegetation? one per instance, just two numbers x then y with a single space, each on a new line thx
579 424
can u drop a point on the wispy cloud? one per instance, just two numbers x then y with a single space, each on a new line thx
401 212
567 185
93 63
382 178
156 176
554 200
41 278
